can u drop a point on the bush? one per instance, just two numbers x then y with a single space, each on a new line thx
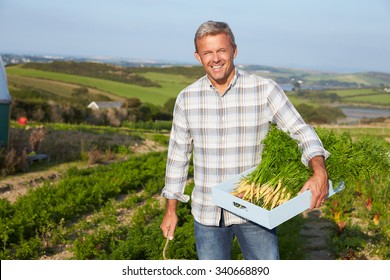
320 115
12 161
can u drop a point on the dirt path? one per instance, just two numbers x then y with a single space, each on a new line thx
14 186
316 232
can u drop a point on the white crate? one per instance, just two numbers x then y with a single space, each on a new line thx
267 218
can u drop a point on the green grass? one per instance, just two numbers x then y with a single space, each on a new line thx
352 92
158 96
61 89
354 79
373 78
295 100
360 131
358 78
171 84
380 99
363 95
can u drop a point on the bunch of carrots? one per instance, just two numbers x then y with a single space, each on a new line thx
278 177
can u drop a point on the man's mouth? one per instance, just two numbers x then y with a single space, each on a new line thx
216 67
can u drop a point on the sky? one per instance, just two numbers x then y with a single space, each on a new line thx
325 35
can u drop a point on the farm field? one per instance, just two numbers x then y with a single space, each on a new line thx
313 78
353 92
380 131
152 95
62 89
111 208
341 77
370 95
369 79
380 99
171 83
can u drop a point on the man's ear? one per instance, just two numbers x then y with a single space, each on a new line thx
197 56
235 52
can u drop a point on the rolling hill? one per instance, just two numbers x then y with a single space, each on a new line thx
92 81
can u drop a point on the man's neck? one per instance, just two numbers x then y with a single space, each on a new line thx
223 86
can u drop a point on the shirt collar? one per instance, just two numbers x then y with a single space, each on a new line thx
232 82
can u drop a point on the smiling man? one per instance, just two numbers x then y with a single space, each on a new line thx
216 53
221 119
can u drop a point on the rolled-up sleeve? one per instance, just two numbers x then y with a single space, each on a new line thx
179 154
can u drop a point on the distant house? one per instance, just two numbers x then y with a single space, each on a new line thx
102 105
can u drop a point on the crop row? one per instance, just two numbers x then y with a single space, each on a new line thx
360 211
48 214
361 164
80 191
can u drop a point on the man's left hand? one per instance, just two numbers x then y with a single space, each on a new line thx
317 183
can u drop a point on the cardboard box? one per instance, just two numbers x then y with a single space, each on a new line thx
267 218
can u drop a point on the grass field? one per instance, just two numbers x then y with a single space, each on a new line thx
380 99
359 79
381 132
297 100
61 89
170 87
353 92
364 95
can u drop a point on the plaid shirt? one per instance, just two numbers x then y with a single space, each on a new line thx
224 133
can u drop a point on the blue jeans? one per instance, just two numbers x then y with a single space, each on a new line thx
256 242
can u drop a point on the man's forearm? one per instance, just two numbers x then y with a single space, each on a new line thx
171 205
317 165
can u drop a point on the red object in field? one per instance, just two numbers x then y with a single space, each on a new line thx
22 121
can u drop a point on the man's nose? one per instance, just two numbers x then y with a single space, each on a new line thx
216 57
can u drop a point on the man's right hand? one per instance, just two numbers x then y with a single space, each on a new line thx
170 220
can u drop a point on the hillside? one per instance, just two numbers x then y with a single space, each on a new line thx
311 79
62 90
155 87
321 80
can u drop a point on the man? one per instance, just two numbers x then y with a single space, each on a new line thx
222 119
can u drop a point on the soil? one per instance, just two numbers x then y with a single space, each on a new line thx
316 232
18 185
14 186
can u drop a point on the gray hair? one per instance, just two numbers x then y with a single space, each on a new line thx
213 28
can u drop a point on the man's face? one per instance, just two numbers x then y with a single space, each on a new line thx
216 54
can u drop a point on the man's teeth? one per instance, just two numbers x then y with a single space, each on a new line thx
216 67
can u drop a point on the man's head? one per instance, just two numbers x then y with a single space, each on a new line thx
216 51
213 28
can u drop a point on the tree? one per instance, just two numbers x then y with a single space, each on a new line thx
148 112
132 102
169 105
